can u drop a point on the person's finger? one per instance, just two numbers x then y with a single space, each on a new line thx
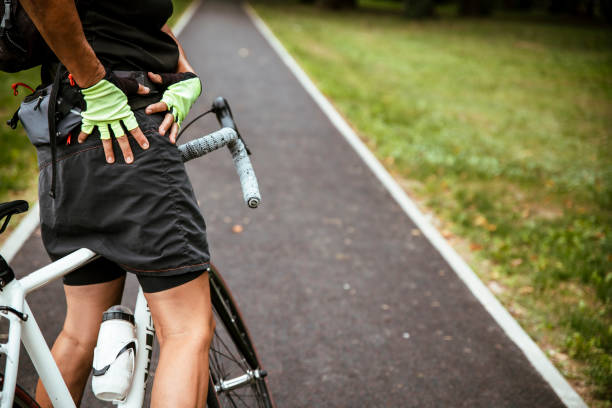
166 123
107 144
82 137
142 90
140 138
156 107
124 144
117 129
174 132
86 128
155 78
104 131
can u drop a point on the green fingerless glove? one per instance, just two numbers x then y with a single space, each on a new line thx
107 104
184 90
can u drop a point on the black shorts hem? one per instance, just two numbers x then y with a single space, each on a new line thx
180 270
102 270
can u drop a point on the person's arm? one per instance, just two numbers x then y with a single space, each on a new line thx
60 26
183 65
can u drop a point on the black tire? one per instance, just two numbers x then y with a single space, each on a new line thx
233 355
22 399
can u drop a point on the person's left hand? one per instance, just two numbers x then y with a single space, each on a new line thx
182 90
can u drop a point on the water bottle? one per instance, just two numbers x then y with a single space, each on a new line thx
114 355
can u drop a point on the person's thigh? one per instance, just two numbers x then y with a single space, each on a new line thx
184 323
85 305
183 309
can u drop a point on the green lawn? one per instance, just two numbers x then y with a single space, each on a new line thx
18 165
179 7
501 127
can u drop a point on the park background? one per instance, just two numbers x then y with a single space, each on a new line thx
495 116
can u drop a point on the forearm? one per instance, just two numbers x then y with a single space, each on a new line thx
183 64
60 26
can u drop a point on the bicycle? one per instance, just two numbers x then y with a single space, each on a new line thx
237 377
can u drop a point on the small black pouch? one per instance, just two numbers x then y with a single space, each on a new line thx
33 114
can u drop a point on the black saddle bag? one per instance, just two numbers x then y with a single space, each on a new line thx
21 45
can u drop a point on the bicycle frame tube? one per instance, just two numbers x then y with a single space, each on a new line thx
13 295
14 299
56 270
26 330
44 363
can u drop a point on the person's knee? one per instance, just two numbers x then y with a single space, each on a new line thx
80 342
197 336
82 334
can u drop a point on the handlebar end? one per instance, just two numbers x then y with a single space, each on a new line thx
253 202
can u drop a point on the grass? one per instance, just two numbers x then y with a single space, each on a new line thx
18 163
502 128
179 8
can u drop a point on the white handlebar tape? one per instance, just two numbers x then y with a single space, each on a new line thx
215 140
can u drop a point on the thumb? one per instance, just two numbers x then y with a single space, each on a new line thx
155 78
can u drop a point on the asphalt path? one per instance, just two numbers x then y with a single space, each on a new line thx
348 304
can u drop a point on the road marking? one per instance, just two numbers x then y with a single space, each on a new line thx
28 224
186 17
510 326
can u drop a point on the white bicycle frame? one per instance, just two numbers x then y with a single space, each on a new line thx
23 327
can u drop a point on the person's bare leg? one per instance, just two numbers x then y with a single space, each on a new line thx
184 325
73 348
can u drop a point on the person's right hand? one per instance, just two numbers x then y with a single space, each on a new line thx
107 107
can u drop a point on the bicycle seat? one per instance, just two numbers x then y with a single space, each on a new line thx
11 208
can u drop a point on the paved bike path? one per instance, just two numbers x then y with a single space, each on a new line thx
348 304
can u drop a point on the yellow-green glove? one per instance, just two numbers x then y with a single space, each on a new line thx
107 105
183 89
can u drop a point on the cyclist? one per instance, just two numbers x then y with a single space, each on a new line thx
125 195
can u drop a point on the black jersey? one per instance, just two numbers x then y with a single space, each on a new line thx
126 34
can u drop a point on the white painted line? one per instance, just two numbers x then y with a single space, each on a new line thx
19 236
25 228
186 17
531 350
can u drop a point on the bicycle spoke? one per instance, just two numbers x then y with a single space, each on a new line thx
231 357
231 400
217 352
241 362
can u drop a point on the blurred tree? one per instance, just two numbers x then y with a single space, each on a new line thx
419 8
575 7
523 5
337 4
606 9
475 7
426 8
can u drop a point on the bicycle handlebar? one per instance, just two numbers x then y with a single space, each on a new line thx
229 136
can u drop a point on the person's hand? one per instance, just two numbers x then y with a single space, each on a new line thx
107 107
182 90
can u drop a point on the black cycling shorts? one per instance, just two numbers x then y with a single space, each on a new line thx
102 270
142 218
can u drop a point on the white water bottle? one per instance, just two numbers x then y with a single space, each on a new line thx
114 355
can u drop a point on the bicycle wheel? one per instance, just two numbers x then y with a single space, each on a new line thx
22 399
237 377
